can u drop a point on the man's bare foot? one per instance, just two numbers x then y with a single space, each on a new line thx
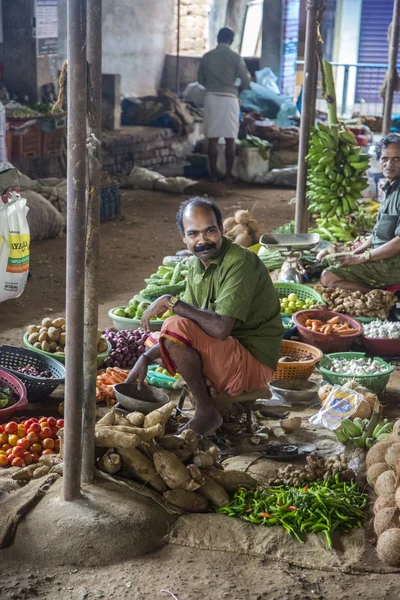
204 425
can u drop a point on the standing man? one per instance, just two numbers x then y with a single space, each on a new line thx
218 72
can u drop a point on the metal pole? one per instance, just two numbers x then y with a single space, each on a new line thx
345 90
94 47
178 47
393 48
310 80
76 185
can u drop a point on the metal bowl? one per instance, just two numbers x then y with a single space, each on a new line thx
144 400
298 391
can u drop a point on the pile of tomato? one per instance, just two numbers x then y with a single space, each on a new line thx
22 444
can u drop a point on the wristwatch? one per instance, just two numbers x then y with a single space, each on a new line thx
367 255
173 301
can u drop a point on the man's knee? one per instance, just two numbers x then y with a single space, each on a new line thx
328 278
178 324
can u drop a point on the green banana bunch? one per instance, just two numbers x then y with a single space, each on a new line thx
334 229
358 432
336 172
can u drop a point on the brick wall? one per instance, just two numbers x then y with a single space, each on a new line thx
193 27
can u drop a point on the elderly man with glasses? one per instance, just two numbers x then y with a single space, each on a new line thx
376 262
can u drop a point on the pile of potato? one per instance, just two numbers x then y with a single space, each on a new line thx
383 473
173 465
50 336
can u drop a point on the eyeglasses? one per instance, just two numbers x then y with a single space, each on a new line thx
394 159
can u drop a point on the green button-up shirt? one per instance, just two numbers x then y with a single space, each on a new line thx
220 68
237 284
388 223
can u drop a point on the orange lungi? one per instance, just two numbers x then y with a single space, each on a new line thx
229 366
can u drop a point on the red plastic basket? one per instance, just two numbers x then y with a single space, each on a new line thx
387 347
326 343
9 380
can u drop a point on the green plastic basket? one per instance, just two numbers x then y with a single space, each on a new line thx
375 383
303 292
61 357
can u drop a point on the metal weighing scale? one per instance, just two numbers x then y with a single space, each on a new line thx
291 246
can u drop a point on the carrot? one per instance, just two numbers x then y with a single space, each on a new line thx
333 321
315 326
345 332
328 330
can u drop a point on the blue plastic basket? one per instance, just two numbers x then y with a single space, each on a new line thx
110 202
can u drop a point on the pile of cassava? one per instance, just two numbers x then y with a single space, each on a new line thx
242 229
171 464
383 473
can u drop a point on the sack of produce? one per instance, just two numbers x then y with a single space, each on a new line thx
44 220
341 403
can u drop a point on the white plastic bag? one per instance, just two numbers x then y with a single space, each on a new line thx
14 247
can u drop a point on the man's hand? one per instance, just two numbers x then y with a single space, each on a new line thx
139 372
352 259
156 309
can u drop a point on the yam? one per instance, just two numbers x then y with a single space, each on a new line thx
388 547
231 480
392 454
377 453
187 501
108 419
171 470
397 497
242 216
160 415
214 453
110 462
203 460
120 428
196 474
172 442
108 437
386 483
229 223
374 471
145 433
183 454
214 492
135 462
385 519
40 472
385 501
26 473
135 418
191 441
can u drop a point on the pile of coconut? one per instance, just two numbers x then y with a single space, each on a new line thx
383 473
242 229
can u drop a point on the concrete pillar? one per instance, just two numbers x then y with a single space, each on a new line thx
271 47
111 102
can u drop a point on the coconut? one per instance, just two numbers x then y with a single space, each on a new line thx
364 411
237 230
255 236
386 483
385 501
291 424
396 431
244 239
374 471
229 223
385 519
392 454
388 547
324 392
377 453
397 497
242 216
252 225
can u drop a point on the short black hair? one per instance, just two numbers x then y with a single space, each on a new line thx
225 35
201 203
392 138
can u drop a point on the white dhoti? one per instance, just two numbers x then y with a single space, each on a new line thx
221 115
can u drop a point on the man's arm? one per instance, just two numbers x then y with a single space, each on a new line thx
364 246
243 74
139 371
387 250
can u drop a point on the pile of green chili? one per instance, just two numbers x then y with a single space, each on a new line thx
328 506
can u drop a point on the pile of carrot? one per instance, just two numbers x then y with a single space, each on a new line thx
333 326
105 381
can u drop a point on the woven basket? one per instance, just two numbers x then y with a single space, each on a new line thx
297 370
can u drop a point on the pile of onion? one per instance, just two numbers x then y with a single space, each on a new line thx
242 229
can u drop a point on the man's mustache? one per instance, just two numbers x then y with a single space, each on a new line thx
204 248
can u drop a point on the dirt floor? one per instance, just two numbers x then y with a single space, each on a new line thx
131 249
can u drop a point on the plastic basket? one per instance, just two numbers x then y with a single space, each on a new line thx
297 370
121 323
386 347
326 343
7 379
36 387
110 202
303 292
375 383
61 357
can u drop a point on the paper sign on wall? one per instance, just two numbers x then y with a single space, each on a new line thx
47 27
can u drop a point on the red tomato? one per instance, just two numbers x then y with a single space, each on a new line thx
18 462
9 451
48 451
57 445
1 429
23 443
60 423
35 456
32 438
21 432
11 427
3 460
36 448
52 422
35 428
29 423
13 440
3 438
6 447
55 430
28 459
10 458
43 420
18 452
48 443
45 433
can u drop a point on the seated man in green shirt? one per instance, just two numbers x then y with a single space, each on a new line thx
226 331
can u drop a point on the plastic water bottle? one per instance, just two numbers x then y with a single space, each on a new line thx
3 145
